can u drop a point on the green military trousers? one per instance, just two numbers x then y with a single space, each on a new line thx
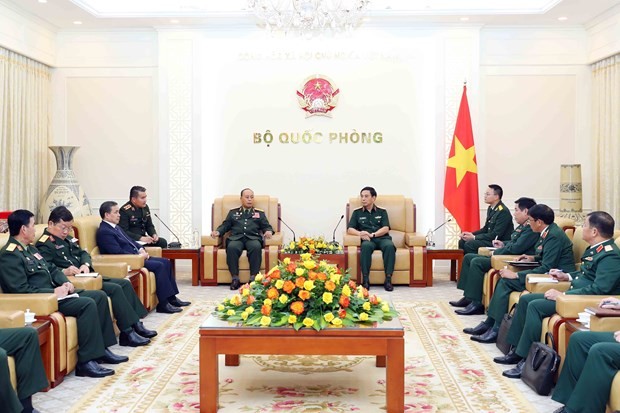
126 306
388 250
472 274
23 345
501 297
471 247
234 248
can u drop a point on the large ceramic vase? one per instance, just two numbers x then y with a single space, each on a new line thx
64 188
571 194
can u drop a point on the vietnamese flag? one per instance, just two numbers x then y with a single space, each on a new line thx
460 195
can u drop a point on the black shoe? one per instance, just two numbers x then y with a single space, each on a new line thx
111 358
92 369
515 372
235 284
132 339
510 358
178 303
143 331
388 284
490 336
478 330
365 283
463 302
471 309
167 308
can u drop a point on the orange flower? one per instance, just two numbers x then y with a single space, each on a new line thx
291 267
272 293
330 286
275 274
297 307
342 313
299 282
288 286
352 284
250 300
312 250
365 292
344 301
265 310
304 294
373 300
312 275
322 276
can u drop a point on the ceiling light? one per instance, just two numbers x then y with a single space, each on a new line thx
77 22
174 21
563 18
464 19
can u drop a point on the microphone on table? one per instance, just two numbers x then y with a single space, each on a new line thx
170 244
290 229
431 232
334 235
444 223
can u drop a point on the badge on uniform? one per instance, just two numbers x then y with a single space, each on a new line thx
74 240
256 215
599 248
588 258
608 248
38 256
59 247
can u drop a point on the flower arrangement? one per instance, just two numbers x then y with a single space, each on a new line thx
313 246
304 293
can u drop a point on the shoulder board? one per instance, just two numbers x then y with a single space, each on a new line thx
11 247
235 209
44 238
259 210
499 208
358 209
608 248
128 206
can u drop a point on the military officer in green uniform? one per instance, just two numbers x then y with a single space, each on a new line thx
599 274
372 225
248 226
553 250
498 224
592 362
136 219
23 270
61 249
23 345
522 241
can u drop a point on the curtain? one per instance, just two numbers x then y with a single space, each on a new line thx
25 100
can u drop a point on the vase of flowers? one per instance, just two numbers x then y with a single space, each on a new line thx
304 293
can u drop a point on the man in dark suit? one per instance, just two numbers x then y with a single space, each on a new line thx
111 239
248 226
23 270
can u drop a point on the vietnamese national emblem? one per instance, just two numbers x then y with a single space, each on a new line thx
318 96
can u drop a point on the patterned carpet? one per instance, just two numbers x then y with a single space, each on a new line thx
444 372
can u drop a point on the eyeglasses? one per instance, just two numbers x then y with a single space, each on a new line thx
489 193
64 228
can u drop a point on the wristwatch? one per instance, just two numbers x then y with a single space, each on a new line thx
373 234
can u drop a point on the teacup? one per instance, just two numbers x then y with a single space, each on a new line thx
29 318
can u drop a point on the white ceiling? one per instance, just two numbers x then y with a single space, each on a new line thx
111 14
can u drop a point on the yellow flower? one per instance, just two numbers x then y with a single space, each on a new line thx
249 310
305 256
265 321
291 245
360 293
346 290
292 319
236 300
245 292
363 316
299 271
366 306
328 298
328 317
308 322
385 308
335 278
230 312
283 299
268 302
279 284
310 264
337 321
244 316
323 263
258 277
287 260
378 299
220 307
308 285
252 283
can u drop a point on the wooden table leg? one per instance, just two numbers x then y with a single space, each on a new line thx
231 360
209 376
429 269
395 376
453 270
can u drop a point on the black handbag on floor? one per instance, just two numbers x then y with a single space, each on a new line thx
540 367
502 335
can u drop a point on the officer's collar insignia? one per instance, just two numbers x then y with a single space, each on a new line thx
44 238
74 240
608 248
500 207
52 238
11 247
544 234
19 248
599 248
588 258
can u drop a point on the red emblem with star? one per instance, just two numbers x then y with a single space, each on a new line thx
318 96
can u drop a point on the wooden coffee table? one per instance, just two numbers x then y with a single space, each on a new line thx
385 341
433 253
192 254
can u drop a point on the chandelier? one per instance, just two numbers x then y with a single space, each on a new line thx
309 17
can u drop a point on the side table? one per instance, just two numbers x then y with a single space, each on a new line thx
43 327
192 254
456 261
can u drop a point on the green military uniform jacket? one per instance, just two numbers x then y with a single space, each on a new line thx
498 224
553 250
599 273
250 223
136 222
522 241
26 271
62 253
370 221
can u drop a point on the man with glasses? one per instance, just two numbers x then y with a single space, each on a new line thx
61 249
498 225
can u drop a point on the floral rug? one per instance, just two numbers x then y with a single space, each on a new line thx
444 372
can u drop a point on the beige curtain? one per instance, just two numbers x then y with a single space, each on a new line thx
606 135
25 96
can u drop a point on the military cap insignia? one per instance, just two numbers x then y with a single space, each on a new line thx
11 247
43 238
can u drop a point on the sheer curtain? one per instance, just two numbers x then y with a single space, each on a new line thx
25 96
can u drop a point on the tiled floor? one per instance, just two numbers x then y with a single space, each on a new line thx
62 398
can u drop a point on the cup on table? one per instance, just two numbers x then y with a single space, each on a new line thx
29 317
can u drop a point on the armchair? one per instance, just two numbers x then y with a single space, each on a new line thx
410 246
215 270
12 319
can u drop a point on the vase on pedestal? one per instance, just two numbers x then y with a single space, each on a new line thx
571 194
64 188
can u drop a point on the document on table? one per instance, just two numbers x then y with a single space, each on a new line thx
541 280
74 295
90 274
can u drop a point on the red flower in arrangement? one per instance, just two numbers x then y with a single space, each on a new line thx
373 300
304 295
265 310
275 274
352 284
344 301
288 286
297 307
342 313
273 293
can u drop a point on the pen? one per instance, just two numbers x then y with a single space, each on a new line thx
495 238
